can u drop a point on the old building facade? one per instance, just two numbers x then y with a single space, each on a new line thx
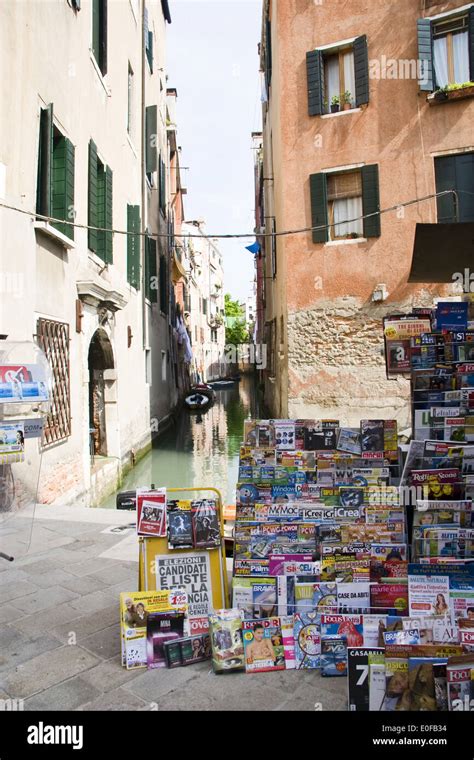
352 127
86 142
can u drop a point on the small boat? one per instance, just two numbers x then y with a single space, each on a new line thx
200 397
222 385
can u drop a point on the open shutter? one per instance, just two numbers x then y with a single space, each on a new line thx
162 183
96 29
151 127
150 269
371 200
44 200
361 71
103 45
109 222
315 81
319 207
70 173
268 53
133 246
425 55
92 203
150 50
471 42
63 185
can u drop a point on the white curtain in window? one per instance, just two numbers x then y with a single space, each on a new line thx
344 209
441 61
332 74
461 57
349 75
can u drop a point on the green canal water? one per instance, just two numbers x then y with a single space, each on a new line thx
200 450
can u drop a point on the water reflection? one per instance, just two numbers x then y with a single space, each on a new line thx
200 450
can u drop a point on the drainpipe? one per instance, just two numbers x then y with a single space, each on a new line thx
143 178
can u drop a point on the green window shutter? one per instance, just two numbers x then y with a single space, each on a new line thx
162 182
150 50
471 42
163 285
100 210
92 201
109 216
315 81
151 128
147 267
319 207
361 70
44 201
425 54
133 246
96 29
103 41
150 269
268 55
371 200
63 185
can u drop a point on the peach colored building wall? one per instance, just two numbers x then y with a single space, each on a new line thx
329 357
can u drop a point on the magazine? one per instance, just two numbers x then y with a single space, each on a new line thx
180 528
333 656
461 599
459 672
376 682
348 626
358 676
151 512
187 651
372 629
288 635
389 598
263 645
255 597
349 439
428 595
162 627
441 687
307 641
353 597
225 631
421 683
372 435
12 442
135 608
284 435
205 520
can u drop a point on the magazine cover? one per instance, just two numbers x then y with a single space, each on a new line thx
461 599
307 641
428 595
376 684
349 440
322 436
333 656
151 512
389 598
225 631
284 435
441 687
160 628
421 683
205 520
12 442
195 649
264 598
396 684
358 676
288 635
23 384
310 595
459 672
135 608
263 645
353 597
372 435
372 628
180 528
350 627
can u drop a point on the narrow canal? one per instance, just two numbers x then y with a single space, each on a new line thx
200 450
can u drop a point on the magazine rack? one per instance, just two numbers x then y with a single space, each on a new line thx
153 550
25 394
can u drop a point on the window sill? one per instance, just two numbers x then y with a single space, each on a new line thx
108 92
436 99
53 233
133 149
340 113
350 241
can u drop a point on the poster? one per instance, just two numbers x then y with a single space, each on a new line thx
151 513
12 442
22 384
193 573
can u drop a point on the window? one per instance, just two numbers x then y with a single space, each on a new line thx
100 206
273 247
150 270
163 366
53 339
133 246
344 205
151 129
338 198
455 173
451 51
446 50
162 185
130 101
340 72
148 374
148 34
99 34
55 181
204 306
339 77
270 331
213 335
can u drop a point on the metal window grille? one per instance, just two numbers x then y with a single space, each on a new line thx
53 339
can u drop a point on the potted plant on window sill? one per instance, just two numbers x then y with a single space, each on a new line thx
346 101
335 104
352 236
453 92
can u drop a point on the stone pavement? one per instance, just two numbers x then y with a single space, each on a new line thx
60 639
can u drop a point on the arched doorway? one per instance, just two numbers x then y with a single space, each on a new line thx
101 358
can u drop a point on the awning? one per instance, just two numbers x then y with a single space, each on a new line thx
166 10
441 250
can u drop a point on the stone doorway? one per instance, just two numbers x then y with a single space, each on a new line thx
101 358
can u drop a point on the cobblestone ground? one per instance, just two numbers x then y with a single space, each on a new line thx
60 642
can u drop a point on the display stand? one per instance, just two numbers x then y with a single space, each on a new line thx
209 584
25 397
